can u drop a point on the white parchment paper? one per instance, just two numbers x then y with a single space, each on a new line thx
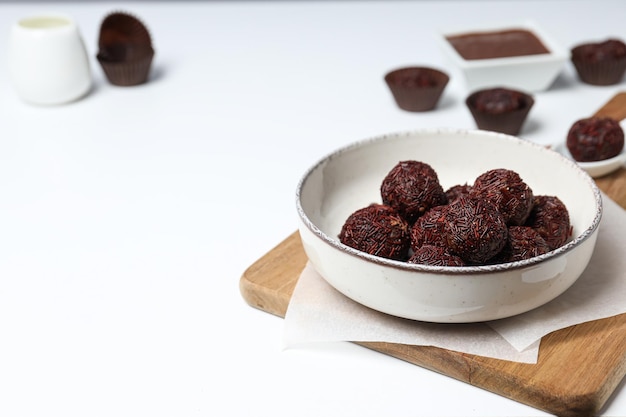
319 313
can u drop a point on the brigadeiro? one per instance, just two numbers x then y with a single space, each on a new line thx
523 242
600 63
550 218
457 191
428 229
475 230
378 230
495 220
500 109
595 139
506 189
436 256
125 50
416 89
412 188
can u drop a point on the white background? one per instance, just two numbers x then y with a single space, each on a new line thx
128 217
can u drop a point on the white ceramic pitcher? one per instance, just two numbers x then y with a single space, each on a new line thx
48 60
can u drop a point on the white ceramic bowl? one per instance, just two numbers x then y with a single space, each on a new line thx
350 178
529 73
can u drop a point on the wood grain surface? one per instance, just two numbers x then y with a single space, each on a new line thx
614 108
578 367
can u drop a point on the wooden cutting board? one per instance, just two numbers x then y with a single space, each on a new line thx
578 367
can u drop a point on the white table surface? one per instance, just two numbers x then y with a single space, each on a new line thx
128 217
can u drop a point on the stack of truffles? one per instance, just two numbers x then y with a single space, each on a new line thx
125 49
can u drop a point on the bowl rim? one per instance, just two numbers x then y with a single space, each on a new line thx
448 270
556 51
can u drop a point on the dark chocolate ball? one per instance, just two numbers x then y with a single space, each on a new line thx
457 191
428 229
506 189
412 188
435 255
523 242
609 49
378 230
595 139
418 79
499 100
550 218
475 229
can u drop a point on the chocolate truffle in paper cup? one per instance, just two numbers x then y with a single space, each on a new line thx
125 49
416 89
128 70
123 28
500 109
601 63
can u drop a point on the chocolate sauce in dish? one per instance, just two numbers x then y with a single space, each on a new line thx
497 44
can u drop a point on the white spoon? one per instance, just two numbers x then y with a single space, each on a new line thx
600 168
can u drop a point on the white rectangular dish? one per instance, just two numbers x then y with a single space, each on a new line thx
530 73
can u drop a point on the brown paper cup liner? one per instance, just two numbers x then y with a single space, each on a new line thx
510 122
127 72
600 72
414 96
121 27
125 52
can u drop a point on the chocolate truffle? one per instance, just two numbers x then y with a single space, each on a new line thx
499 109
499 100
436 256
412 188
595 139
428 229
506 189
550 218
416 89
475 230
522 243
378 230
457 191
600 63
125 49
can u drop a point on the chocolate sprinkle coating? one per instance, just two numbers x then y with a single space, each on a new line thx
523 243
457 191
428 229
435 255
550 218
511 195
595 139
412 188
475 224
475 230
378 230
